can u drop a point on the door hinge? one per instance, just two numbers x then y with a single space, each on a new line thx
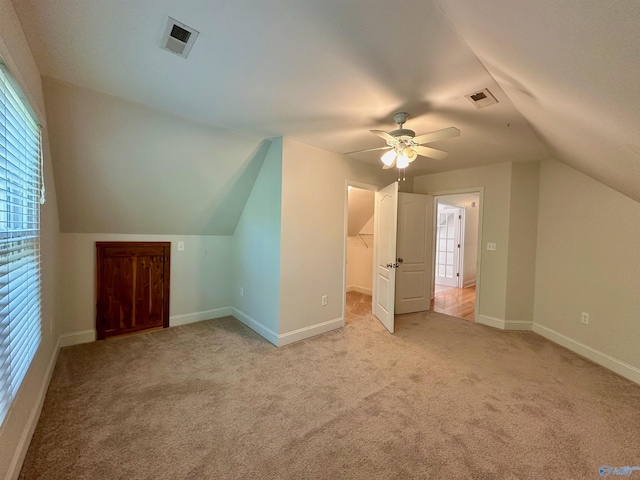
457 274
458 245
459 217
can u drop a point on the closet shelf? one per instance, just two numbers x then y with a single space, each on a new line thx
362 237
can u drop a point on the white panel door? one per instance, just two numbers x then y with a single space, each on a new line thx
447 246
384 275
415 238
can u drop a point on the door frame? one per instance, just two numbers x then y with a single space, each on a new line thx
480 192
100 246
363 186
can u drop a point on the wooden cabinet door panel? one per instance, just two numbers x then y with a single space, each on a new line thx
133 287
148 298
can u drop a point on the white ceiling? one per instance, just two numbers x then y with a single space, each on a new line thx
325 72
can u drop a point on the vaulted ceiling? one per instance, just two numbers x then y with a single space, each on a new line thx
565 73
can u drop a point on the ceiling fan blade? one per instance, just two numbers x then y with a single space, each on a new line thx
387 167
437 135
385 135
430 152
368 150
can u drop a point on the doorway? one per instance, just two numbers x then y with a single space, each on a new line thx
456 254
359 244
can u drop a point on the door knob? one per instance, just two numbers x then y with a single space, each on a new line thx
400 260
389 265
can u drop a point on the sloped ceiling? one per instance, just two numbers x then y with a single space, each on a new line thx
325 72
121 167
572 69
321 72
360 207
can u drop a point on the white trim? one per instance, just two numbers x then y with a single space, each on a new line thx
27 433
308 332
356 288
522 325
194 317
490 321
256 326
607 361
76 338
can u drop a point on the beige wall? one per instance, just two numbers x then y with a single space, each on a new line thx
200 287
360 264
523 225
18 425
256 250
496 181
588 260
313 232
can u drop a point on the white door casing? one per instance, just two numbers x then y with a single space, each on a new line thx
384 273
414 253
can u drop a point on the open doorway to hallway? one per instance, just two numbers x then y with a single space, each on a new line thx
359 254
456 254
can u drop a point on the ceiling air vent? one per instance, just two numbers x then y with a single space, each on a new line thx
178 38
483 98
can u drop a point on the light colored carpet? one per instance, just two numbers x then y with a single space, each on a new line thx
442 398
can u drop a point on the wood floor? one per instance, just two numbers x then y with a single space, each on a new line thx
457 302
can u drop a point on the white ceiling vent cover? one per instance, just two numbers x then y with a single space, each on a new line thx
178 38
483 98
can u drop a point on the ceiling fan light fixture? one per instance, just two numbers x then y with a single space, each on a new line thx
388 158
410 154
402 162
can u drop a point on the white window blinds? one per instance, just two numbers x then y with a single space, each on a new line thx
20 190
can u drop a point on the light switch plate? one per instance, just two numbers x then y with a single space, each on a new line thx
491 246
181 246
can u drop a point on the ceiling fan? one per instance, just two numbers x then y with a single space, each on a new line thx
404 147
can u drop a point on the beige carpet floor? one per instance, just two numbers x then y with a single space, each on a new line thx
442 398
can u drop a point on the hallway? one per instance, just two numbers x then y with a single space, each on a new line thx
457 302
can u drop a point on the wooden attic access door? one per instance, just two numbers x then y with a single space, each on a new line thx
133 287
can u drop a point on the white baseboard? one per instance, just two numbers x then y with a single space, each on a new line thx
607 361
187 318
34 416
356 288
308 332
256 326
522 325
288 337
76 338
86 336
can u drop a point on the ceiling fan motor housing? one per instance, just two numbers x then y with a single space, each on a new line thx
402 132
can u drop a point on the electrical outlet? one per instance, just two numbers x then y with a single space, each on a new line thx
242 291
491 246
325 300
584 318
181 246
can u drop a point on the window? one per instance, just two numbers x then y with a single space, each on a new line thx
20 197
